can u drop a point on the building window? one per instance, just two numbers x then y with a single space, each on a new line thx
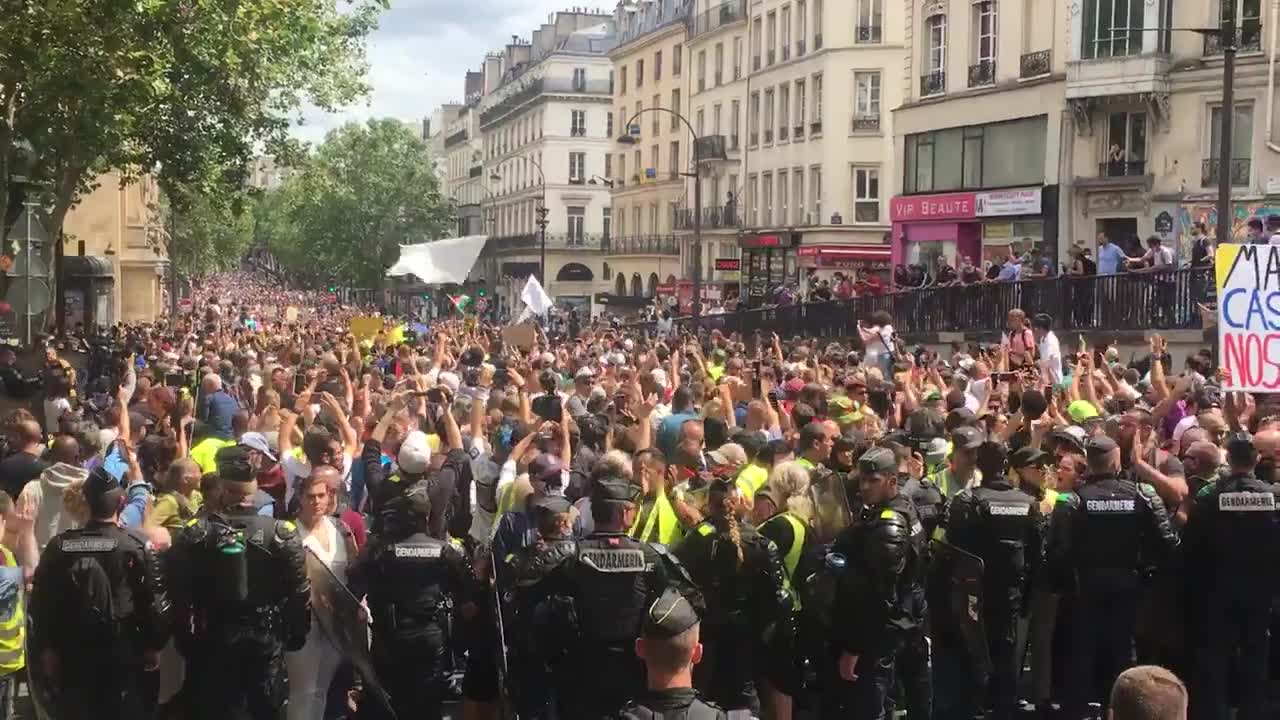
577 224
800 106
579 79
784 109
653 161
815 193
699 123
606 226
640 73
608 125
797 194
784 217
866 195
785 38
674 169
757 41
766 205
622 169
578 126
1239 165
715 120
1248 14
816 123
935 59
622 77
983 70
657 66
734 112
1112 28
752 199
657 117
676 55
719 67
768 115
737 57
870 21
771 29
1126 144
753 132
867 94
608 165
962 159
675 109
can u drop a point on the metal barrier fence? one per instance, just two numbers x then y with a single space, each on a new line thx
1132 301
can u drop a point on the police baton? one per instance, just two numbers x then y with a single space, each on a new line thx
503 693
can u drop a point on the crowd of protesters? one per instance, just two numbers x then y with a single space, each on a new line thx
602 523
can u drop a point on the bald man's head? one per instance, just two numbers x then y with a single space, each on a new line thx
1267 444
65 449
211 383
329 475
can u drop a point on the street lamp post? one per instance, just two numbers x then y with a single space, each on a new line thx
1228 43
541 222
633 132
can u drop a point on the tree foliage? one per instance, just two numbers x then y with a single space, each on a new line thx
186 89
210 234
366 190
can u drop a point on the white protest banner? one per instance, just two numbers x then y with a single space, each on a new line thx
1248 280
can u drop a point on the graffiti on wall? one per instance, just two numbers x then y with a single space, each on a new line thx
1207 213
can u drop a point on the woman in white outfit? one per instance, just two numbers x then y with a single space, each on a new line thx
311 669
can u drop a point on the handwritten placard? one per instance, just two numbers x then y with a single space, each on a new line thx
1248 279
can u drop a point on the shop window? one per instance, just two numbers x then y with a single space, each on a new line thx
979 156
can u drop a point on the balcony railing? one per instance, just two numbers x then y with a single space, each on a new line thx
642 245
737 72
475 171
786 52
815 127
800 48
532 241
702 83
578 132
755 62
645 23
755 139
817 41
1134 301
724 216
1250 39
772 56
933 83
797 132
726 13
782 133
1122 168
982 74
1035 64
768 136
866 123
869 34
455 138
1239 170
530 89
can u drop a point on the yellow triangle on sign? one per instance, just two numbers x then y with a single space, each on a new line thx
1223 258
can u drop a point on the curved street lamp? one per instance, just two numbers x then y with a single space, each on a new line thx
541 222
631 138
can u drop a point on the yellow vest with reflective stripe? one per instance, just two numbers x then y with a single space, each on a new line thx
506 499
751 479
661 526
13 629
792 559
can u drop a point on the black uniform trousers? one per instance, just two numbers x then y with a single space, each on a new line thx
239 676
726 675
867 697
1102 646
410 669
1232 657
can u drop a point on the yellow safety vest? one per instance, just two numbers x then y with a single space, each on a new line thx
750 479
662 525
13 628
506 499
792 559
205 453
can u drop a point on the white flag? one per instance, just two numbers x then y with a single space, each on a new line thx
535 297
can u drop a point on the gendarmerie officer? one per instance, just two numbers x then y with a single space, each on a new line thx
594 603
1102 540
1001 525
100 611
1231 547
879 597
240 586
409 578
670 649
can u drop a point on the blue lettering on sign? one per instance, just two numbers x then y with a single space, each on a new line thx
1254 310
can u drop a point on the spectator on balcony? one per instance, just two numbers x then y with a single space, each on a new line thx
970 274
1157 258
1011 271
1039 266
1273 229
1201 247
1110 257
945 274
867 284
844 286
1254 234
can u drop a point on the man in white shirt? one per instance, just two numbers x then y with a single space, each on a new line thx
1049 348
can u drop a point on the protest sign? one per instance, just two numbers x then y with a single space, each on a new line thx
1248 280
365 327
291 314
521 336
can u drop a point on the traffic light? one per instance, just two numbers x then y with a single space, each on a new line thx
480 292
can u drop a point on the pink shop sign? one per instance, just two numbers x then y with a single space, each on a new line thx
914 208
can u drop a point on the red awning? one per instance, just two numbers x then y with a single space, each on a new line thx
846 252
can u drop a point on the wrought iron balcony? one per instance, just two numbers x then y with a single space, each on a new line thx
869 34
726 13
642 245
578 132
1239 169
933 83
1035 64
533 241
1122 168
982 74
866 123
723 216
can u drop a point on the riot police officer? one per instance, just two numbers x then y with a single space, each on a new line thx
669 647
1231 547
1001 525
742 580
410 579
879 597
1102 539
592 606
100 612
240 584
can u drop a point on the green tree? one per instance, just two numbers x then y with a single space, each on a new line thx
186 89
210 234
366 190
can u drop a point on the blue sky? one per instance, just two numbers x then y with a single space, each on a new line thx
421 49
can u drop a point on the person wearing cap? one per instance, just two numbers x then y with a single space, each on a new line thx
1231 549
517 528
1102 539
240 588
751 597
879 597
266 466
594 603
99 612
670 648
962 470
409 579
1001 524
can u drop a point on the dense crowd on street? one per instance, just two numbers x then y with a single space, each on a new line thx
262 509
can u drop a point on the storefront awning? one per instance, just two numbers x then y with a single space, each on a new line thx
845 256
87 266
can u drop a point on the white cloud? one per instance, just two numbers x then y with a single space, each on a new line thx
421 50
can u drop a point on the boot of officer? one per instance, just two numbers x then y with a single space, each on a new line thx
1102 540
879 594
408 576
100 612
240 585
669 647
1231 545
1001 524
593 604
